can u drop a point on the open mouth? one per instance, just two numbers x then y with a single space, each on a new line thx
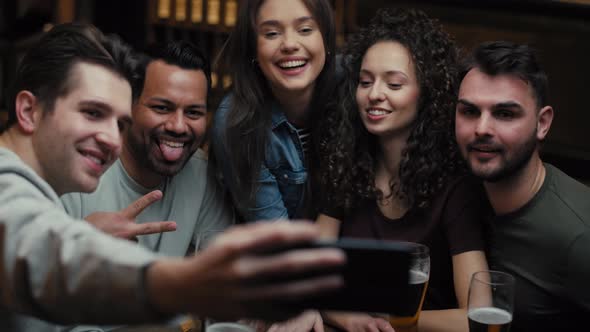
171 150
95 160
292 64
378 112
96 157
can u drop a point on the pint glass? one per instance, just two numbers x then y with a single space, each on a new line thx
418 279
491 301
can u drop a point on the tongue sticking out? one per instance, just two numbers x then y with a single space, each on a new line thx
171 153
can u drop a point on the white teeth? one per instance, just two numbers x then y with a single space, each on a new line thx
95 159
291 64
173 144
377 112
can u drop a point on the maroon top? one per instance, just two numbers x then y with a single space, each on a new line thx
450 225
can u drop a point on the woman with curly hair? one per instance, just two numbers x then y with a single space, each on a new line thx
390 167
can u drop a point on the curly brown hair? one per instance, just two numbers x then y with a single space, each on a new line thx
349 152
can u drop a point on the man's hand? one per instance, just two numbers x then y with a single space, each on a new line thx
230 279
122 224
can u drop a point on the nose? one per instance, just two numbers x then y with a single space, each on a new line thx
110 138
484 125
290 42
375 93
175 122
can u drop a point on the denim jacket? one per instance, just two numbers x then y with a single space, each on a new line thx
282 178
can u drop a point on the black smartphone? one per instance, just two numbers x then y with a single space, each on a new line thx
376 277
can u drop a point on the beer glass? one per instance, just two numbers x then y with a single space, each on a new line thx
491 301
418 279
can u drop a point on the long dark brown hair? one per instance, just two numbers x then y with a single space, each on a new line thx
350 153
249 118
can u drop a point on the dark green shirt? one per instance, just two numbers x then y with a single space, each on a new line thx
546 246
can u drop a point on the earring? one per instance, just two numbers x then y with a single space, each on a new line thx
254 62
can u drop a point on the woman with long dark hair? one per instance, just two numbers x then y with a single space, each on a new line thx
390 166
281 56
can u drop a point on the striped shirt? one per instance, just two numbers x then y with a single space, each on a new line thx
304 137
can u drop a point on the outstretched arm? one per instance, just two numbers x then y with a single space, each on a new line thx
229 280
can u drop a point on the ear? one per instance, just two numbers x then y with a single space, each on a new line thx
28 111
544 120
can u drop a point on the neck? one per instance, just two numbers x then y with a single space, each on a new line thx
295 104
511 194
142 175
391 153
387 171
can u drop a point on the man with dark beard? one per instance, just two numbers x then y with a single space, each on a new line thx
540 232
161 174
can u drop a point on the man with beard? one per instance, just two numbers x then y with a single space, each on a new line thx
540 232
160 162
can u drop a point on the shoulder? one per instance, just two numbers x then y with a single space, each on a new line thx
195 170
18 179
197 163
220 118
572 195
223 108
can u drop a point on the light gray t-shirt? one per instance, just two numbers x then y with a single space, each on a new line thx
192 198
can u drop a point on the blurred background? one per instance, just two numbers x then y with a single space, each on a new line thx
559 30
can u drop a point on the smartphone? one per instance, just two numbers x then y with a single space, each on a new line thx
375 277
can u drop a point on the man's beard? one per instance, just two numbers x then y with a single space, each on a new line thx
512 166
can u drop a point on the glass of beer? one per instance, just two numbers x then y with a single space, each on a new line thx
418 279
491 301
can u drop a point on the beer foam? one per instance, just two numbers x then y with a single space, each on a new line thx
490 315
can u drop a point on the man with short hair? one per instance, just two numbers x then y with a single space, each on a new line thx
541 229
72 99
160 153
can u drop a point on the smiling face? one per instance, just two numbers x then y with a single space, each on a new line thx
81 137
290 47
497 124
388 90
169 121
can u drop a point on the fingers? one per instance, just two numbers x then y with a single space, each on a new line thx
258 237
152 227
383 325
135 208
318 325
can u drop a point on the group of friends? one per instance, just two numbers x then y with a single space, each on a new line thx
399 137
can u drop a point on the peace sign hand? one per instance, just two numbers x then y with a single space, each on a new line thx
122 223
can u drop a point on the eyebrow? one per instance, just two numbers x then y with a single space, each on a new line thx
277 23
506 104
103 106
95 103
388 73
466 103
